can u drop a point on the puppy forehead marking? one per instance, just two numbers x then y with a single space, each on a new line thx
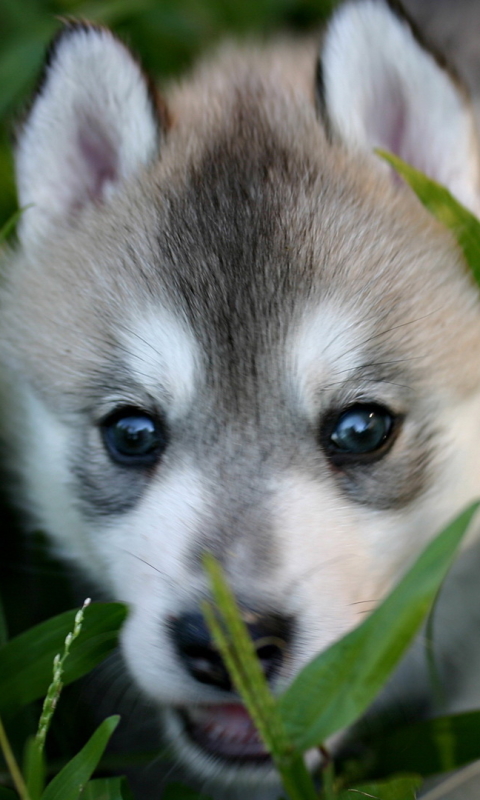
162 354
324 347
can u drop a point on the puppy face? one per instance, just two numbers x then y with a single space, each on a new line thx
237 334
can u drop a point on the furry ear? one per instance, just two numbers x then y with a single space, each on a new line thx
382 88
93 123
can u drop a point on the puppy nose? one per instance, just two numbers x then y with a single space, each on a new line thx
270 634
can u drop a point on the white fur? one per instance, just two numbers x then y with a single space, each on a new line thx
163 356
91 127
330 558
383 90
324 346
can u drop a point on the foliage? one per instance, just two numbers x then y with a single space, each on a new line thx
168 35
337 686
438 200
99 636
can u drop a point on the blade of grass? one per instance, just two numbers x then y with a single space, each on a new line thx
34 768
12 765
8 227
338 685
233 641
438 200
26 663
426 747
396 788
69 783
106 789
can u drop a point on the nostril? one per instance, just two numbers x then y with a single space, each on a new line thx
270 656
270 634
195 647
206 666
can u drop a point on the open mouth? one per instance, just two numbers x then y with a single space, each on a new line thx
225 731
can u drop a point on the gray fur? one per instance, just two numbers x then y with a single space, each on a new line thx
251 221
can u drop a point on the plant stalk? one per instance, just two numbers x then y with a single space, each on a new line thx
328 774
296 778
12 765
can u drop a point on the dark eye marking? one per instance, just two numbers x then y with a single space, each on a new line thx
359 434
134 437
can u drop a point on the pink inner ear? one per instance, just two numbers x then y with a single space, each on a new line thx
98 161
391 126
387 117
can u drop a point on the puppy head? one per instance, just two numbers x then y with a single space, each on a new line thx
241 334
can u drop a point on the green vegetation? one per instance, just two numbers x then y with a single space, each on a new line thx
329 694
167 34
39 662
334 690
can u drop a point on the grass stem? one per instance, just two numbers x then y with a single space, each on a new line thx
12 765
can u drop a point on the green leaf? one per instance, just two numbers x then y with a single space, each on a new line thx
463 224
26 661
20 61
239 654
106 789
34 768
236 647
68 784
401 788
177 791
427 747
337 686
6 229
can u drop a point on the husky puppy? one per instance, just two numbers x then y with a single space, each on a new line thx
228 327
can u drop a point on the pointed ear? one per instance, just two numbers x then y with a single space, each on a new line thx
93 123
382 88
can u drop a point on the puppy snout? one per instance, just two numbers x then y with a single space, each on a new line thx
270 634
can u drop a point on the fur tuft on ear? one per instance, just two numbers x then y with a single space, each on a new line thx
93 123
382 88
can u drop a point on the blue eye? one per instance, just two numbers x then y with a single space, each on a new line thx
360 430
133 437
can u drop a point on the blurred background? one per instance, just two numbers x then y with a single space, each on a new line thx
169 34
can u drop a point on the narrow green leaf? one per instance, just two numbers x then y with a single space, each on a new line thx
12 764
26 661
34 768
427 747
338 685
70 782
106 789
9 225
464 225
241 659
232 638
401 788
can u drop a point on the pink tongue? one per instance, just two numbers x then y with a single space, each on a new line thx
226 731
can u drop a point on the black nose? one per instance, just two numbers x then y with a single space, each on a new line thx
270 634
